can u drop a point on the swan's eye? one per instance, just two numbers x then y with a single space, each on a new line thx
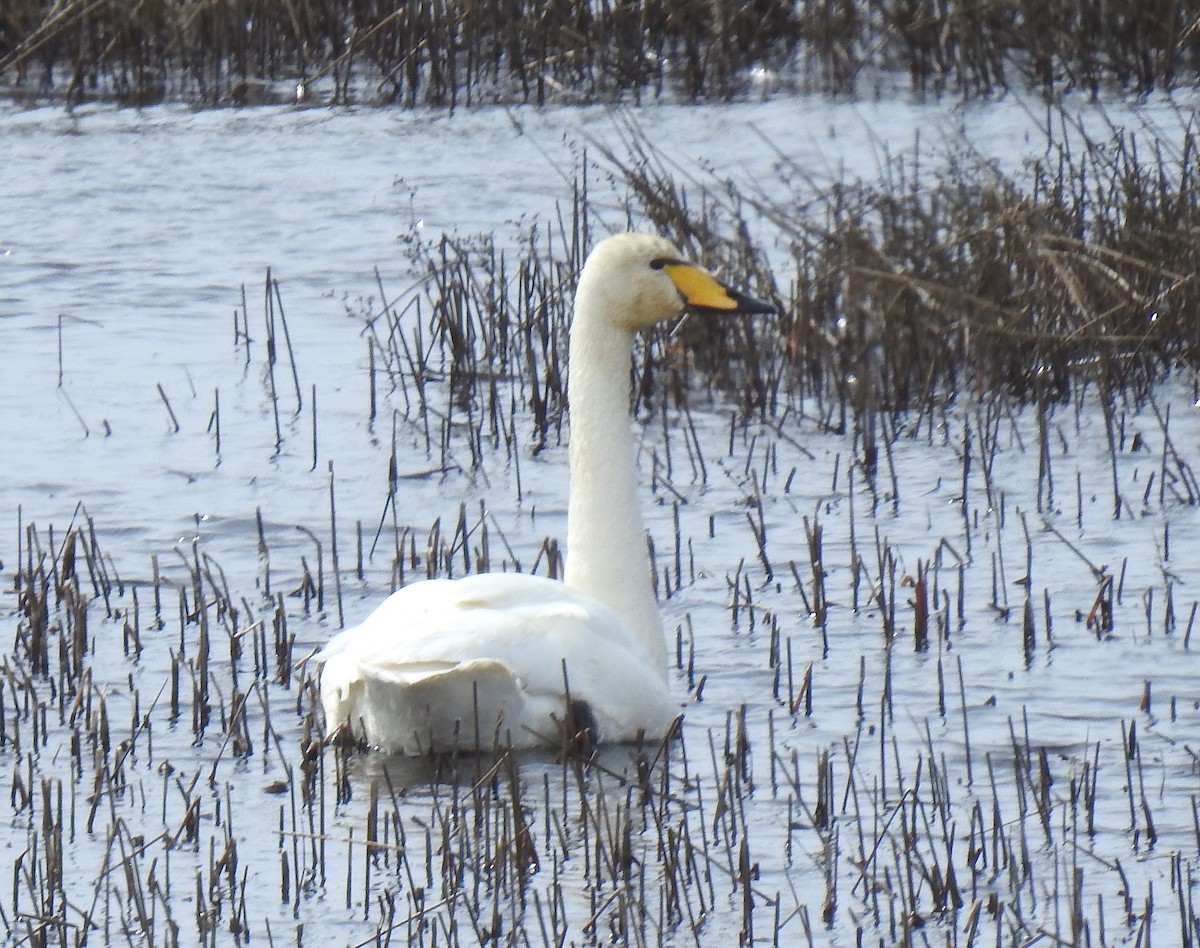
659 262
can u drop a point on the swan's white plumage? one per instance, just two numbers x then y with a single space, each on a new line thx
479 661
489 649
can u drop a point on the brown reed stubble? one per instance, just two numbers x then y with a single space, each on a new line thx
426 53
913 849
460 54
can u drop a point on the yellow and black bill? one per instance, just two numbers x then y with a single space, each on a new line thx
702 292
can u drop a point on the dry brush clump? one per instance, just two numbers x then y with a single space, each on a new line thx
451 54
427 53
913 291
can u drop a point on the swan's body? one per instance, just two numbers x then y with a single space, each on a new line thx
488 660
488 651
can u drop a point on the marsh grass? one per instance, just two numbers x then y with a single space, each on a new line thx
451 54
914 289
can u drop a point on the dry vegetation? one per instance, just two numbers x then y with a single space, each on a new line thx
447 54
1076 285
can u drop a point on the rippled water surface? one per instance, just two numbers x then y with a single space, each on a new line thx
1051 767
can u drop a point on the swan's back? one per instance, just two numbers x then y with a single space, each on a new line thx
476 662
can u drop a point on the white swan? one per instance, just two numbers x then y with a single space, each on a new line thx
487 660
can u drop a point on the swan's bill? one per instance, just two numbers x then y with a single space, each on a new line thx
702 291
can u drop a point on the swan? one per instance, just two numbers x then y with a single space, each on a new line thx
513 660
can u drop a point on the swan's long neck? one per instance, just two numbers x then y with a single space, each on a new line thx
606 540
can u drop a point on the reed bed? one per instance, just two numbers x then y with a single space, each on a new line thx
1076 285
446 54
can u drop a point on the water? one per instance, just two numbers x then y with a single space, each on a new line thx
126 240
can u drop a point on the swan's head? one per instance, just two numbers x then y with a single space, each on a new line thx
637 280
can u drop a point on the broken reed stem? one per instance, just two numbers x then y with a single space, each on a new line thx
170 410
273 287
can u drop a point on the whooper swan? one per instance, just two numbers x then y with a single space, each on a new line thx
487 660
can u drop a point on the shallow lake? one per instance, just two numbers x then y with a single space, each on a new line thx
1029 770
